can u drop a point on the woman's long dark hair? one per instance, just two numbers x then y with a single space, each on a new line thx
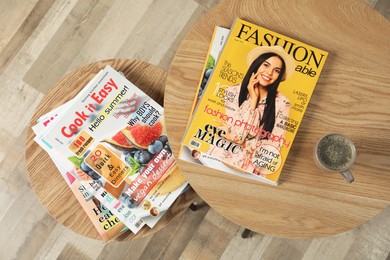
267 121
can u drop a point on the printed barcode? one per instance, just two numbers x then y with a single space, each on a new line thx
194 143
139 223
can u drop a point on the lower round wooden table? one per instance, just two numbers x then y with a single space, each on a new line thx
48 184
352 96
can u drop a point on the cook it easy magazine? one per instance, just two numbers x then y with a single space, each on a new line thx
113 135
252 106
107 225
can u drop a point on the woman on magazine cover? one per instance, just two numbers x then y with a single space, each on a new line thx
257 103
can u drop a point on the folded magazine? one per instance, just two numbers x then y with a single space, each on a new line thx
253 103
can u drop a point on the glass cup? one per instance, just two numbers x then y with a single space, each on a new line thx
335 152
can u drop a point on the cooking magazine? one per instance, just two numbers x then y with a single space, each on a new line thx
114 136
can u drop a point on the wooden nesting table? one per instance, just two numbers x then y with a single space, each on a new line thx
48 184
352 96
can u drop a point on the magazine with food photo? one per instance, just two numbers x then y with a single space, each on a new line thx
253 104
106 223
114 135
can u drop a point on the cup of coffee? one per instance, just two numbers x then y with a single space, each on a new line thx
335 152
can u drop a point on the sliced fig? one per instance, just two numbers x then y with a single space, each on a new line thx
142 135
119 140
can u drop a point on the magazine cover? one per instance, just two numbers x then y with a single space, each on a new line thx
106 223
114 135
253 104
218 40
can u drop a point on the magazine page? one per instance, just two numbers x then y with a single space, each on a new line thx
253 103
115 137
218 40
106 223
96 188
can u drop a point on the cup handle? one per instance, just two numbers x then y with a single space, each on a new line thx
347 175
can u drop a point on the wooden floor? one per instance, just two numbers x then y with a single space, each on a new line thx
43 39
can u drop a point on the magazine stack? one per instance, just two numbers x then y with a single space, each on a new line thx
110 145
255 89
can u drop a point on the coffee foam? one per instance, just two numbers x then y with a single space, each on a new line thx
335 152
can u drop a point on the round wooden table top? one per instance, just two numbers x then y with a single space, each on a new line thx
352 96
48 184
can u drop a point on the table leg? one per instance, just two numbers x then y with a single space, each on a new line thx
194 206
246 233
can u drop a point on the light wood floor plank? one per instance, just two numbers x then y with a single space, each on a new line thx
165 244
39 39
148 42
64 46
13 44
211 238
12 16
115 28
